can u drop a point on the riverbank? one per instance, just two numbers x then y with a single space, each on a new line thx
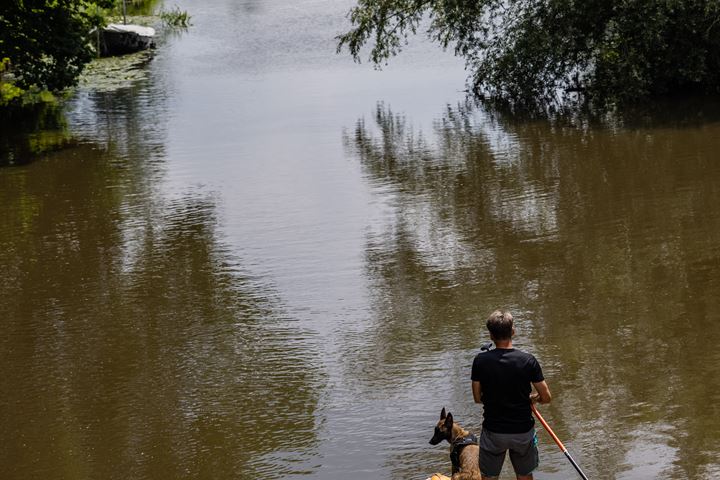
33 121
70 35
34 124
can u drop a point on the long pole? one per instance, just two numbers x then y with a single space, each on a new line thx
557 441
124 13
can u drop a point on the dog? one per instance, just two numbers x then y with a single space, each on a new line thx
465 452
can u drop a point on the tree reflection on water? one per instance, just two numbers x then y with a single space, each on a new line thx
602 237
134 345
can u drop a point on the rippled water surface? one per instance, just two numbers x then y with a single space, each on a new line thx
260 260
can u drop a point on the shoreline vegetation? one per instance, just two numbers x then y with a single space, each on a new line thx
36 68
38 72
535 54
539 59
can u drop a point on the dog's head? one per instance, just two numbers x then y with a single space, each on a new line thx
443 429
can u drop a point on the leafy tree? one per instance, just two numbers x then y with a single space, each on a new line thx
529 50
48 42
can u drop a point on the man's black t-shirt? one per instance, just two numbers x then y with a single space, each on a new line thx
505 375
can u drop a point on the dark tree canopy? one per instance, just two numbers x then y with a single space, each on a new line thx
47 41
529 50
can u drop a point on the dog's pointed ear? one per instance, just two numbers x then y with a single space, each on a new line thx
449 421
442 414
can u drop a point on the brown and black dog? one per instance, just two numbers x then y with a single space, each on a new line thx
465 452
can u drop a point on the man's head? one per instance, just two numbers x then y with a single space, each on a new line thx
500 325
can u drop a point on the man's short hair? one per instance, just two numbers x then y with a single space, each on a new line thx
500 325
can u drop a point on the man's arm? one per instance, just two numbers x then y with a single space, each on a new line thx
477 392
543 393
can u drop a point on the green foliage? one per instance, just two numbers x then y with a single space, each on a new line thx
47 42
527 51
175 18
12 96
8 90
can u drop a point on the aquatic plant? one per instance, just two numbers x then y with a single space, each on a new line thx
175 18
109 74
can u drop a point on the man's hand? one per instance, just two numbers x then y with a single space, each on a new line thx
542 394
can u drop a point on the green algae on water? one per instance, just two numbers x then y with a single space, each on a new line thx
115 73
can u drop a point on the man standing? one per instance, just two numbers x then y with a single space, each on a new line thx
501 381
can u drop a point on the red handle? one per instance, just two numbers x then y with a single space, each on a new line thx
547 428
557 440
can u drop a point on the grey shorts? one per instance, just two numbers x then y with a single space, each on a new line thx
522 447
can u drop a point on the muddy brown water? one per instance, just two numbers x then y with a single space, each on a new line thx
261 260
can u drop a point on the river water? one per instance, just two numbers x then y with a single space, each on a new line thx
261 260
